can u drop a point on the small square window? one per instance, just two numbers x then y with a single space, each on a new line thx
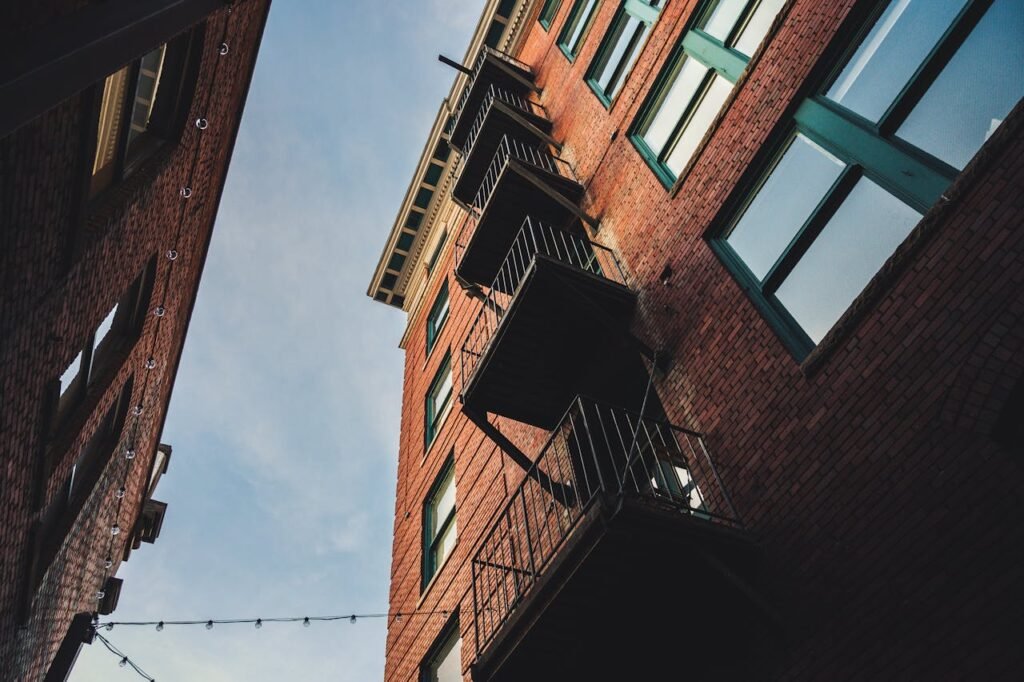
413 220
405 240
423 197
437 317
433 174
396 262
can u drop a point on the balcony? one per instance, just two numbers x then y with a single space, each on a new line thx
492 68
619 556
521 181
501 113
557 308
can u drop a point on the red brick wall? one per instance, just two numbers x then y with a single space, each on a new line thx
50 303
889 517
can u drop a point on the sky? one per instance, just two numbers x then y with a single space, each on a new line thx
285 414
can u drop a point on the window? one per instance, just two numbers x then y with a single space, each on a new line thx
439 398
439 531
436 255
59 515
902 114
143 104
547 13
103 348
444 661
570 40
437 317
697 80
621 47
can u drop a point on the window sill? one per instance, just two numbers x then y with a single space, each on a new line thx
663 175
601 97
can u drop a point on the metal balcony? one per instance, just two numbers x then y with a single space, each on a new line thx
501 113
491 68
617 557
553 325
521 181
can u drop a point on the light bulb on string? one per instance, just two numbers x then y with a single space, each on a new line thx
172 255
115 529
259 623
120 493
138 410
352 619
159 311
202 123
123 662
100 594
186 192
129 453
223 49
160 626
108 562
209 625
150 362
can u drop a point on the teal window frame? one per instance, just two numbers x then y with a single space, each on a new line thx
572 21
434 413
438 315
548 12
719 58
869 149
642 10
431 561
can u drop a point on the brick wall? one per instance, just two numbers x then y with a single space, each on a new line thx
888 516
62 270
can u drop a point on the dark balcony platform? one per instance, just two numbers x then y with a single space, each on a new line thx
624 561
558 308
492 68
521 182
501 113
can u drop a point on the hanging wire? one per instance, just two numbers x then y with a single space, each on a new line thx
125 660
210 622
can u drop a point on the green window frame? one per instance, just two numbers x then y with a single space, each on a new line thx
548 12
438 399
443 662
576 28
437 316
440 530
621 47
696 82
867 154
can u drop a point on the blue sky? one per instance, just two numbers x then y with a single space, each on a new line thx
285 415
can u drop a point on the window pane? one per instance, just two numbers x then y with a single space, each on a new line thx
580 20
684 85
800 180
891 53
70 374
699 123
105 326
444 544
851 248
444 500
757 26
145 94
975 91
627 36
723 18
447 664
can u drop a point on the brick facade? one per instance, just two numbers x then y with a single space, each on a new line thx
888 516
64 262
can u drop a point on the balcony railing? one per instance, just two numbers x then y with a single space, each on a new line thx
477 68
494 93
596 452
513 150
534 239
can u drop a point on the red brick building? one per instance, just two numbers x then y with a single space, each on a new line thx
792 228
116 131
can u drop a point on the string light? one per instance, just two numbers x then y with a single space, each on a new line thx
305 622
259 622
115 529
186 192
172 255
160 626
120 493
150 362
202 123
209 625
124 660
108 562
129 454
159 311
223 49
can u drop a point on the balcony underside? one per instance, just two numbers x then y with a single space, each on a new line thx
493 71
520 192
561 324
501 119
638 593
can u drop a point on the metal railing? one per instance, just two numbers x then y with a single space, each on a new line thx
597 451
524 104
510 149
533 238
477 66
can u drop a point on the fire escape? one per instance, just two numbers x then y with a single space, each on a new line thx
620 554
